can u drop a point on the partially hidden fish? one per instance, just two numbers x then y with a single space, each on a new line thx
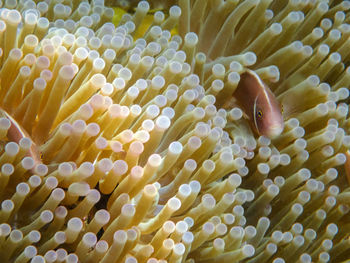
15 133
259 104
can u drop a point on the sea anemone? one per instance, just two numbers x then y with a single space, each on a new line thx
123 138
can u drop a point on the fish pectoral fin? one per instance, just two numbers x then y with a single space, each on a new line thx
230 103
245 116
233 103
289 112
290 108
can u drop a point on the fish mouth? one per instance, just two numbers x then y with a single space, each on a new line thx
274 131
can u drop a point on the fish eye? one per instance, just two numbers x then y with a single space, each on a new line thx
260 113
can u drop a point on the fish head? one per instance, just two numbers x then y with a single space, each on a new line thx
268 117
